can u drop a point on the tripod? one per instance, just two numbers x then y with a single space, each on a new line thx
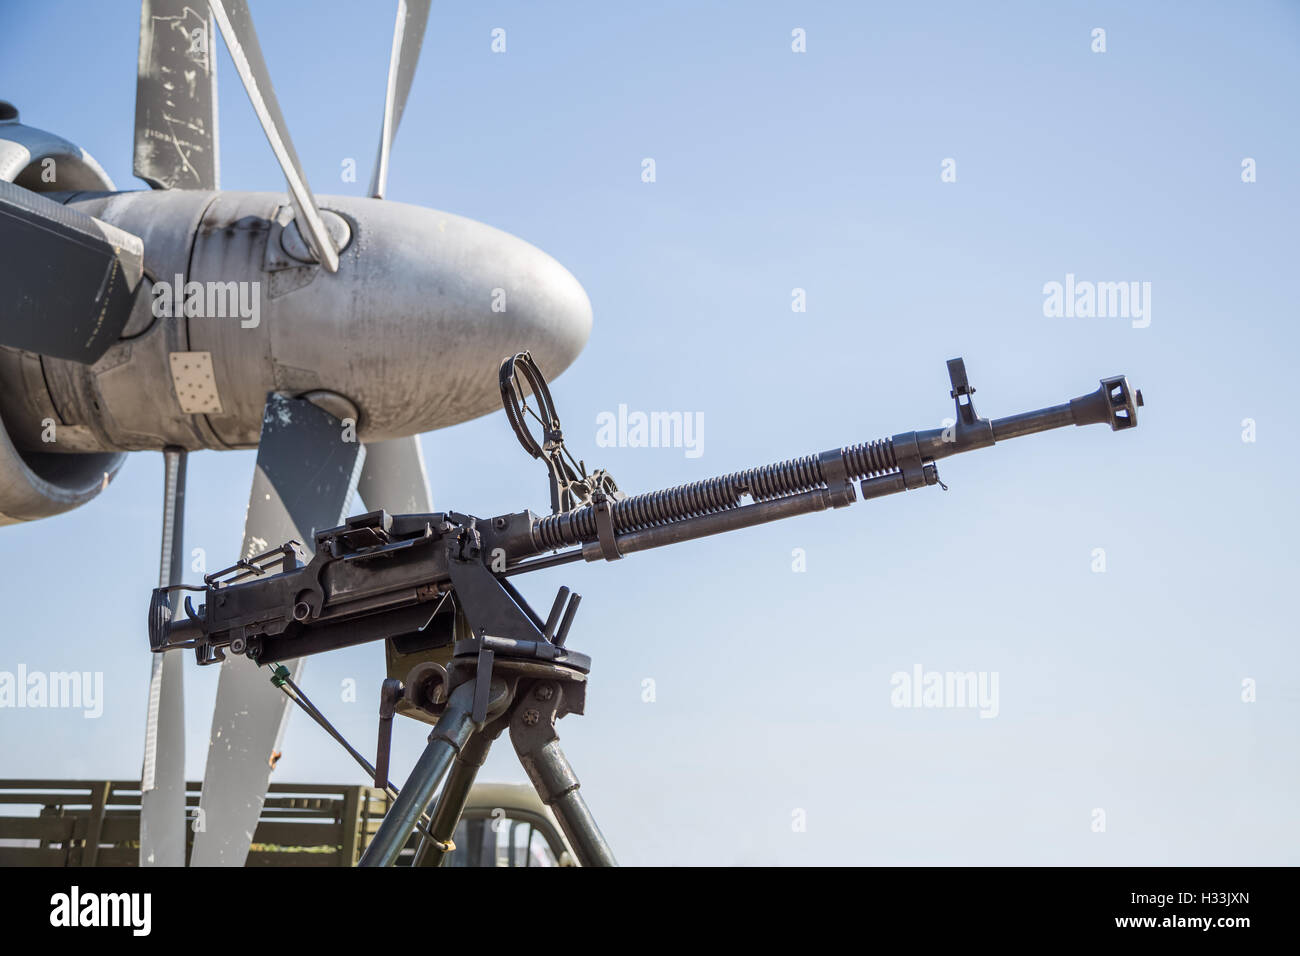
492 683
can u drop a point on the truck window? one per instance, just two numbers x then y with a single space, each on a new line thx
499 841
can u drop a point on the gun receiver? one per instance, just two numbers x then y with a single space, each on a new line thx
425 581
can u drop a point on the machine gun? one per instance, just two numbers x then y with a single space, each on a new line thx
467 653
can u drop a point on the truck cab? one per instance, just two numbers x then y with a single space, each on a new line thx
506 824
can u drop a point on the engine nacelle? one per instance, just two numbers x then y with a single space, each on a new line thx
44 162
36 484
41 484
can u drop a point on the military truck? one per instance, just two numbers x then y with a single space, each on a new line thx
97 823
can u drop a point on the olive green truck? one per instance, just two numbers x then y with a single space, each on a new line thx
97 823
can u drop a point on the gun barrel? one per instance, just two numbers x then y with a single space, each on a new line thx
1027 423
1114 403
744 516
611 527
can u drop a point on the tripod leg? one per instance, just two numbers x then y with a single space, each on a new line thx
451 802
532 731
453 729
577 822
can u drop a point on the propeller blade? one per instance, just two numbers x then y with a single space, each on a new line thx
305 477
162 779
394 479
68 281
176 97
408 36
236 25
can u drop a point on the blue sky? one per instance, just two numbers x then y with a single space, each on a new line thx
1119 691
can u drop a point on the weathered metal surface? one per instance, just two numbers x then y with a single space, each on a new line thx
408 331
236 24
67 280
411 329
196 389
176 97
117 404
96 411
37 485
44 162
